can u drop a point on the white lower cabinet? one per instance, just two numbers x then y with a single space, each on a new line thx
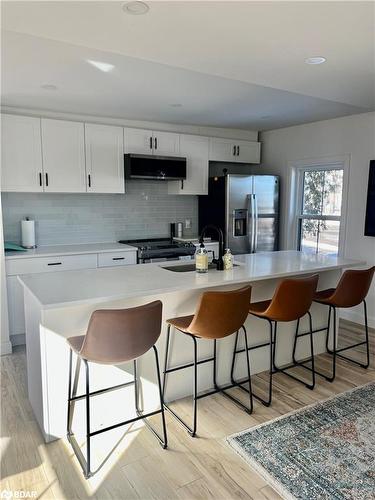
33 265
111 259
195 148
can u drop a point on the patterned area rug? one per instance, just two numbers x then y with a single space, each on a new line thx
324 451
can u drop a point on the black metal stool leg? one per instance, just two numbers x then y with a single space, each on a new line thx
222 390
88 435
191 430
365 342
72 393
296 363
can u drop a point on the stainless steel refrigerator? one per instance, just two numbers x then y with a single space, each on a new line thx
246 208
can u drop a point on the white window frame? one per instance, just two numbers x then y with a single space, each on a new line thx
294 197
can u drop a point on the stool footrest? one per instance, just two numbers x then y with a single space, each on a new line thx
102 391
187 365
125 422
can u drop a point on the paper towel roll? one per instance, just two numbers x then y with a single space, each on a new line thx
28 233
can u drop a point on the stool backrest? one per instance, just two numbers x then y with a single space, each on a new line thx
292 298
115 336
221 313
353 287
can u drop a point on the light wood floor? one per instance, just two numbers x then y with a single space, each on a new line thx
203 467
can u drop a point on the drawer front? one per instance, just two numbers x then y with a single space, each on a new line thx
51 264
109 259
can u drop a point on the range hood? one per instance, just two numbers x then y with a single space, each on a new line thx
161 168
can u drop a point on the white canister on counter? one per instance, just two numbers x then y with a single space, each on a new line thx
179 230
28 233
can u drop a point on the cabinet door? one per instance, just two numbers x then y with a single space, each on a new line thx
195 149
15 306
166 143
248 152
138 141
104 159
21 154
63 156
222 150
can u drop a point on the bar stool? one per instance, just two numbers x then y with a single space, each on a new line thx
218 315
351 290
291 301
114 337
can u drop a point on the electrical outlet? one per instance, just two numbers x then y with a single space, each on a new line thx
187 223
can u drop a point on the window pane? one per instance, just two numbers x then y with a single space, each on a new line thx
313 182
328 241
332 192
319 236
309 231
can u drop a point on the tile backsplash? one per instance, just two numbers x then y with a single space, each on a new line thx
145 211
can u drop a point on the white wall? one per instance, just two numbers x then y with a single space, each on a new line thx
353 135
5 345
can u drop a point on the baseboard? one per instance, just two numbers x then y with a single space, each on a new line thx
5 348
357 318
19 339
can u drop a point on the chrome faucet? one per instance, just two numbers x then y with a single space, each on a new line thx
219 261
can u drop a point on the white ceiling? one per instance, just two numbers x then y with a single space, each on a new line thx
230 64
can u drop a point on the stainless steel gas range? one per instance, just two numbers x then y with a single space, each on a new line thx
161 249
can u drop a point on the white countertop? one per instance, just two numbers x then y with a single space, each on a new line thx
103 285
51 250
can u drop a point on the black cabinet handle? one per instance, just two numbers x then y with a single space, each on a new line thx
118 258
40 179
89 179
238 151
234 150
150 142
156 143
54 264
46 179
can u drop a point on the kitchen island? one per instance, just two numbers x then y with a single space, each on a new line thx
59 306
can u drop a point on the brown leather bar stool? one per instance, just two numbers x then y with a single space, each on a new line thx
291 301
351 290
218 315
114 337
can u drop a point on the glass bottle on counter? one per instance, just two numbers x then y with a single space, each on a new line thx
201 259
228 259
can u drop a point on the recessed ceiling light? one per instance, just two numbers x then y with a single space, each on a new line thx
136 8
101 65
265 117
315 60
176 105
48 86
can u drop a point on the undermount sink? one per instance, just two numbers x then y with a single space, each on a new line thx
187 268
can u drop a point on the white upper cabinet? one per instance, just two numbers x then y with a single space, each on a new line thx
232 150
63 146
104 159
166 144
248 152
139 141
195 148
21 157
150 142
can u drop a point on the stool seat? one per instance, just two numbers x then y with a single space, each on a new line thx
324 296
75 343
182 323
259 308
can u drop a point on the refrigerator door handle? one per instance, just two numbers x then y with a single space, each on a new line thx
250 233
255 236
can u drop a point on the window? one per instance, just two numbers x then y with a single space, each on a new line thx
319 210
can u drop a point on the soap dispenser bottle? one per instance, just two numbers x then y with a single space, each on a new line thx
201 259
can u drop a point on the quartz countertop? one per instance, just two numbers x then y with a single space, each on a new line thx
68 288
78 249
